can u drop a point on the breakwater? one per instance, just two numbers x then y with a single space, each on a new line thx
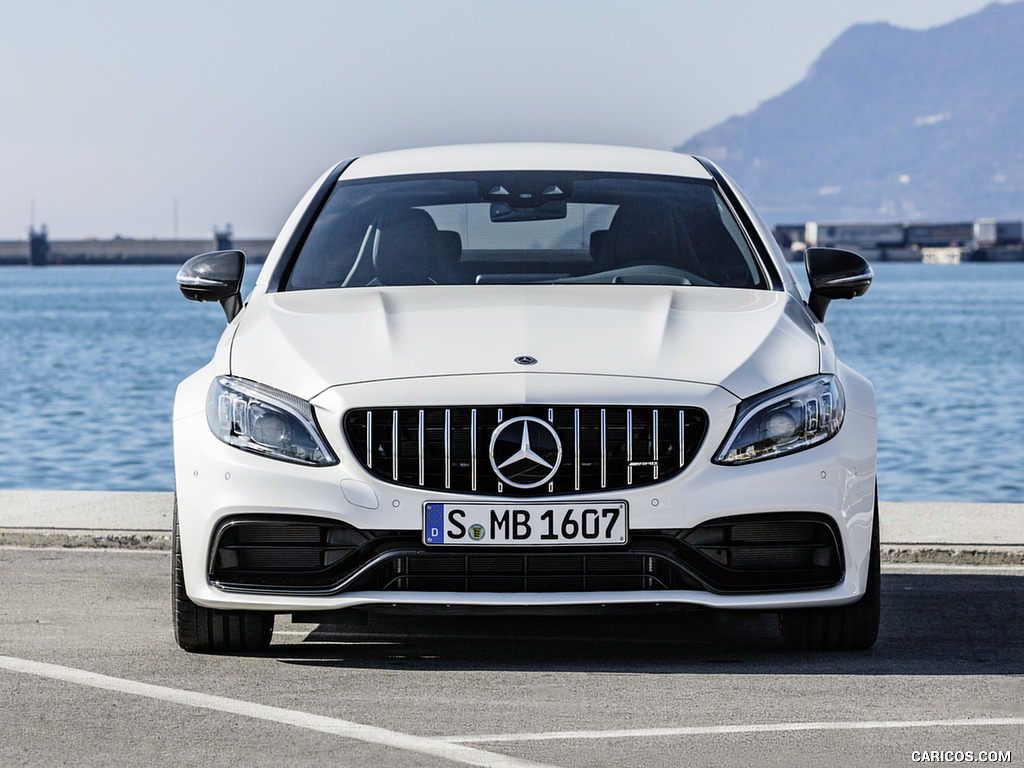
40 251
984 240
122 250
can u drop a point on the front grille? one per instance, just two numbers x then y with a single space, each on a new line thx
774 552
603 448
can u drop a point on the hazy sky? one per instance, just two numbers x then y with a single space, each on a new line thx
117 114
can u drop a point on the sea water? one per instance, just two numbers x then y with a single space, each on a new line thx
91 356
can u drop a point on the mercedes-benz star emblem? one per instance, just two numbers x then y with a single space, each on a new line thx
525 452
526 360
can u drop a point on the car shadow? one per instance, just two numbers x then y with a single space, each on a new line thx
946 624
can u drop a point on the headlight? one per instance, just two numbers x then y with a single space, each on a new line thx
266 421
784 420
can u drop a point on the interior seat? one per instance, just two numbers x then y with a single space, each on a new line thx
645 234
410 250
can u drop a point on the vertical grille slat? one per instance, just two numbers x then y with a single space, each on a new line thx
446 448
682 436
369 440
604 448
472 449
654 442
576 448
629 446
394 446
421 450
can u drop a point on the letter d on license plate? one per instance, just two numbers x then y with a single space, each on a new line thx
562 524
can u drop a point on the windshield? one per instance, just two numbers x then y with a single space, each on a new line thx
524 227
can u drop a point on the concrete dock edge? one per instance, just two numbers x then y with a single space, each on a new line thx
912 532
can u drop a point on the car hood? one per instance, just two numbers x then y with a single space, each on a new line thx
304 342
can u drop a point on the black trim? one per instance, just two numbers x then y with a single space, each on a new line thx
766 552
763 553
283 268
477 175
764 254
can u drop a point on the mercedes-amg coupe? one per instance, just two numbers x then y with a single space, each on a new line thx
525 377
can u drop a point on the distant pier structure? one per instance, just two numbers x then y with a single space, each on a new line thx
928 242
40 250
222 238
38 246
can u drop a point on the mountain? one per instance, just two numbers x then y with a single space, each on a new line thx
890 124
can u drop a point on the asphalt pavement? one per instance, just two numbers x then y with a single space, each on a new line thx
90 675
912 532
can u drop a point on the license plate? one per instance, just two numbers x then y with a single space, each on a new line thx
525 524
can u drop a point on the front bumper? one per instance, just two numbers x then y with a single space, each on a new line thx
831 485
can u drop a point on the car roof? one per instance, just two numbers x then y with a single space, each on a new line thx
526 157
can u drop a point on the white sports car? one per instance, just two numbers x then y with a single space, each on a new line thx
525 377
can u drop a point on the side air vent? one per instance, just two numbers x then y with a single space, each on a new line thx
772 551
282 552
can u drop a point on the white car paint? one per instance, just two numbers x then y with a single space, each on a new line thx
306 341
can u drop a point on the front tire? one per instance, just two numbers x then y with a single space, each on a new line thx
844 628
206 630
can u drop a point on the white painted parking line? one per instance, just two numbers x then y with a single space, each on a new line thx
435 747
719 730
967 568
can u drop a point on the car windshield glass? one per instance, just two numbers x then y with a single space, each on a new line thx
524 227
